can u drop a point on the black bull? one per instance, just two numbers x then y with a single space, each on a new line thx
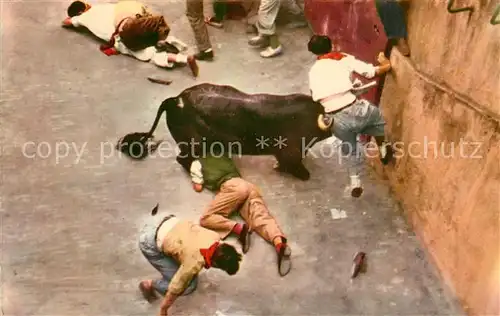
216 117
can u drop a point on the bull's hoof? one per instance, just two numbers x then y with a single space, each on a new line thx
184 162
303 175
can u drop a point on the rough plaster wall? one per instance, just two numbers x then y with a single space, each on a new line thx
451 195
462 49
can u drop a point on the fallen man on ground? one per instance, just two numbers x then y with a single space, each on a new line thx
219 174
179 250
131 29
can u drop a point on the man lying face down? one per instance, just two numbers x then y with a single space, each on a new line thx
179 250
131 29
220 175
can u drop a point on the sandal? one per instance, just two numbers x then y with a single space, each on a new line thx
213 22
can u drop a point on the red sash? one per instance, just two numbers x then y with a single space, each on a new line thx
109 48
332 55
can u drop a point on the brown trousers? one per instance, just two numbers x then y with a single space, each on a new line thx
252 9
194 13
238 194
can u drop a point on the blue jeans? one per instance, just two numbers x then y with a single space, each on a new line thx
393 18
166 265
360 118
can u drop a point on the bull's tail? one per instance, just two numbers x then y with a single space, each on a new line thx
138 145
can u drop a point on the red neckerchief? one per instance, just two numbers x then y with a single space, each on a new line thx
208 253
109 48
332 55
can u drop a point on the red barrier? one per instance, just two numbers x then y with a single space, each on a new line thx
354 24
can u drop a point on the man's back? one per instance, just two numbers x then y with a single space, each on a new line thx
99 20
185 239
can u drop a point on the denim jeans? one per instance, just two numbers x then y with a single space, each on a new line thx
360 118
166 265
393 18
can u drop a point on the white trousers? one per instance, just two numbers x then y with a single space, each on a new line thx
151 54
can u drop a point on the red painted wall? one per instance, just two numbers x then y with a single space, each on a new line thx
354 24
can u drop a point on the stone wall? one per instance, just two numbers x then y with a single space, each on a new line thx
443 107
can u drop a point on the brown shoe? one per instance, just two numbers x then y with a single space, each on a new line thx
193 66
244 238
284 260
147 291
403 47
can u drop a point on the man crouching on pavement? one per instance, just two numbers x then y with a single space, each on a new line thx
179 250
219 174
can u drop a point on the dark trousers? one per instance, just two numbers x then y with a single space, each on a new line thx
392 15
220 9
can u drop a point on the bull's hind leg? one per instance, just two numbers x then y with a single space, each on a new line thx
290 161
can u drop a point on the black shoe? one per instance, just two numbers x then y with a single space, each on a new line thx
284 260
205 55
244 238
389 153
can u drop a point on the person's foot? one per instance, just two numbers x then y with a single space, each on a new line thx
271 52
147 290
355 187
403 47
259 41
284 260
212 21
191 61
244 238
206 55
251 29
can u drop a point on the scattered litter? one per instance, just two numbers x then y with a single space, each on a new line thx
338 214
219 313
160 81
358 264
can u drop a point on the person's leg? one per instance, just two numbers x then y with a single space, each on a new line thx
165 265
375 126
392 16
252 9
233 193
194 13
345 128
257 216
167 60
219 8
296 8
266 26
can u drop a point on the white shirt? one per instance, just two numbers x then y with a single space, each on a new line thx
164 229
333 79
99 19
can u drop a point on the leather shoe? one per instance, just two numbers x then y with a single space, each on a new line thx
244 238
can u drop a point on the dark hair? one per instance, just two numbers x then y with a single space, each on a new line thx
76 8
227 258
319 45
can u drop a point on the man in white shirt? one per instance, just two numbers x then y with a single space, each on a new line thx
108 20
331 84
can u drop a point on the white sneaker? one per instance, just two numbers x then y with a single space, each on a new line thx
271 52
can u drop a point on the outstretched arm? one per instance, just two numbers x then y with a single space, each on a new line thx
368 70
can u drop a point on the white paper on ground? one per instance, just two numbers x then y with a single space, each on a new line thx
338 214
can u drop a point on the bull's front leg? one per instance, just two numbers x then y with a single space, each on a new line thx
290 161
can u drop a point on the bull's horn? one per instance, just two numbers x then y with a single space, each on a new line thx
321 123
